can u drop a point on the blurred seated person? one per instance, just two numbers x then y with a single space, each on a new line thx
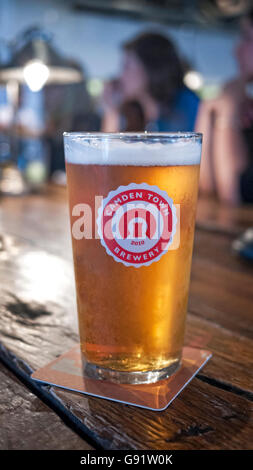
68 108
227 125
152 75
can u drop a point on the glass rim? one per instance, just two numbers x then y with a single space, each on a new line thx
175 136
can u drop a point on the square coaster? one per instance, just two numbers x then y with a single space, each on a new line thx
66 372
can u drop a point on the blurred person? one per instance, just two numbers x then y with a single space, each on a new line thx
68 108
227 125
152 75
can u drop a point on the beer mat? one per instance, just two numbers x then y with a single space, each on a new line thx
66 372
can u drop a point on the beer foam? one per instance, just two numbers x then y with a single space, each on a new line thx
79 150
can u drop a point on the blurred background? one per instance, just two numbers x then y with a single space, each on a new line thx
108 65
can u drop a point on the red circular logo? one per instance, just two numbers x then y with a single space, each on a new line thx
136 224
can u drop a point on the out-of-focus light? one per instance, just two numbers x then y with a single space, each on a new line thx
95 86
36 172
49 277
6 115
12 181
36 74
193 80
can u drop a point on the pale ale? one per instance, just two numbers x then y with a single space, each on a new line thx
132 289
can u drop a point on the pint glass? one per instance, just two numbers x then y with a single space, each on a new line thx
132 202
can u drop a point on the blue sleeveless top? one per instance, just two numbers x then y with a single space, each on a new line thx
182 115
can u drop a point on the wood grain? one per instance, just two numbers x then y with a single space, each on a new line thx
232 361
38 323
202 417
26 423
221 284
223 218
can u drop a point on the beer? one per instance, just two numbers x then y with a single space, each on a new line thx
132 317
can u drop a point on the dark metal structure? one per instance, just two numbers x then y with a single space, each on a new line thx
224 13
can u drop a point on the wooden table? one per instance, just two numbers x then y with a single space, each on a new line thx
38 323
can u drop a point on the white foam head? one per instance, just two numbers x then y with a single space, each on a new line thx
103 149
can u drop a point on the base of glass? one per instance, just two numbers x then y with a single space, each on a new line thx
146 377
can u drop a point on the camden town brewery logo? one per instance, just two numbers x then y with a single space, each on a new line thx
136 224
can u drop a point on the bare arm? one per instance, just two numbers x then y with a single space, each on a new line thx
230 155
204 124
225 154
111 121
